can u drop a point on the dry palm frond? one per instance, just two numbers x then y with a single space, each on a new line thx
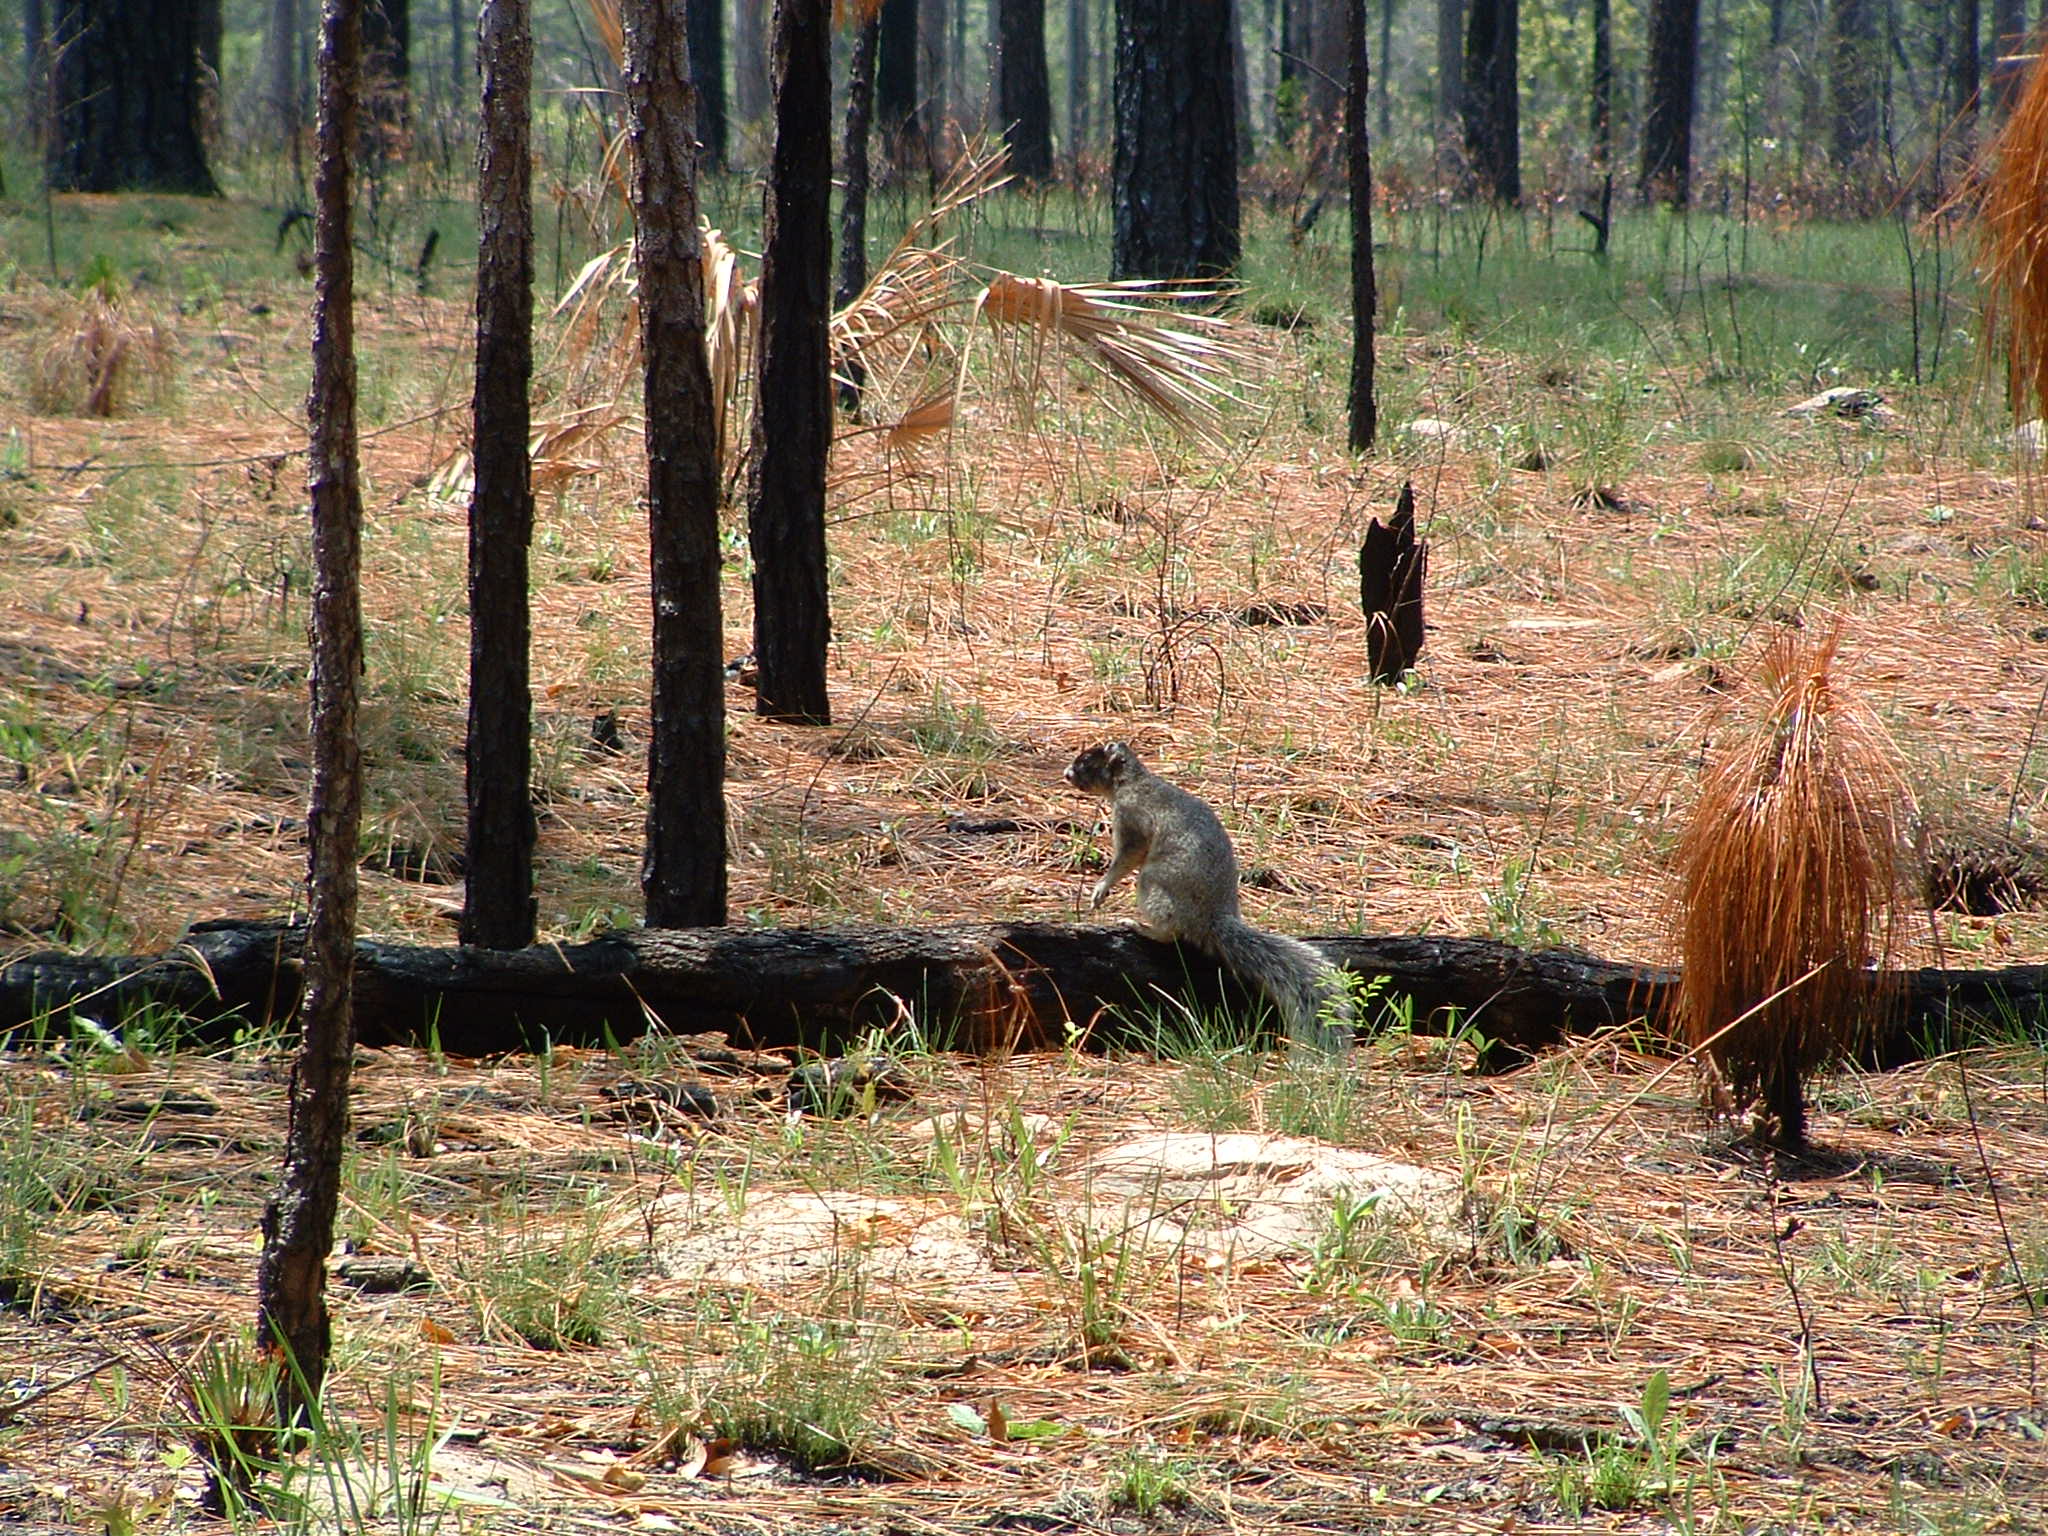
896 316
1183 366
1787 882
106 353
728 301
2014 243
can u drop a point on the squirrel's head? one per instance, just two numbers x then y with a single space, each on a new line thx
1099 770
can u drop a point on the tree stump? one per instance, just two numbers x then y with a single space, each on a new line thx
1392 563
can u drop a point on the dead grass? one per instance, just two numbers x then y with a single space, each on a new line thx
1869 1367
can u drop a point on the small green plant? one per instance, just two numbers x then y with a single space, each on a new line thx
805 1387
560 1293
1511 914
1608 1476
1354 1243
1144 1481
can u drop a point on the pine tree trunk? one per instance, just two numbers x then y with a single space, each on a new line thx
751 95
281 62
126 98
706 23
793 402
498 901
1386 96
458 79
1966 74
1023 89
210 31
1174 165
1364 406
682 872
897 113
1078 125
1853 83
1667 120
1326 56
387 62
1450 84
35 65
1492 101
853 200
298 1221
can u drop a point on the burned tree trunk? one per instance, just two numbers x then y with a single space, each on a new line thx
793 393
498 901
853 201
682 871
1364 406
1392 564
298 1222
124 96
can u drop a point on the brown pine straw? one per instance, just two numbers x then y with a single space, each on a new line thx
1789 869
2013 240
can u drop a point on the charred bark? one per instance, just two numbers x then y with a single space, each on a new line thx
1492 98
498 908
853 199
1024 87
1667 119
793 399
1364 406
682 872
124 94
706 24
1392 565
1001 984
298 1222
1174 165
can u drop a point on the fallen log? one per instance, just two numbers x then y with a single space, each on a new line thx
977 986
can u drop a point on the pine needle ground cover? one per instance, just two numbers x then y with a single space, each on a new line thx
1622 516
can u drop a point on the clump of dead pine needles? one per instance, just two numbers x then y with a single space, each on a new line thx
1788 896
106 353
2013 239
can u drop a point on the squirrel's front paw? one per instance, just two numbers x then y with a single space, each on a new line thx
1098 896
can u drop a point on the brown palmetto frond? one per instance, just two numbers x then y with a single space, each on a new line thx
1787 883
1184 366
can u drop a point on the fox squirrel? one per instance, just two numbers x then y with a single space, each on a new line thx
1187 892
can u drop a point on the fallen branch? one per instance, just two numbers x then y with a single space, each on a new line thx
986 986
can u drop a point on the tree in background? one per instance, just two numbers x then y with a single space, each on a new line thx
1173 173
751 96
853 201
125 98
1450 83
706 22
1667 116
284 67
497 901
1492 98
793 392
1023 88
1364 406
387 61
897 111
682 871
1854 83
298 1221
1078 124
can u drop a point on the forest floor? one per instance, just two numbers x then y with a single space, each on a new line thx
1616 532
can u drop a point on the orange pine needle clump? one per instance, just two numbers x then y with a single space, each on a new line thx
2013 240
1787 882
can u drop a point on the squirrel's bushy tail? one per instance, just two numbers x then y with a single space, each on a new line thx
1313 1000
